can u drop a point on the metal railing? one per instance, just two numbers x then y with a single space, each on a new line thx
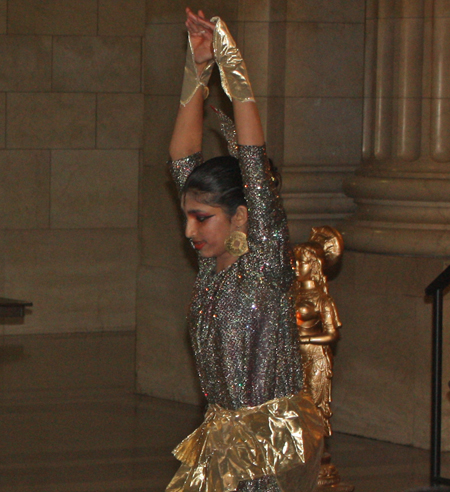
436 290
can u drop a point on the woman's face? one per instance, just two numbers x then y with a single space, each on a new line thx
207 227
303 268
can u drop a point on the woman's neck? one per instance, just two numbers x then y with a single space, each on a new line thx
224 263
307 284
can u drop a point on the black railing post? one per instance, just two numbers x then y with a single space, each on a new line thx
436 390
436 289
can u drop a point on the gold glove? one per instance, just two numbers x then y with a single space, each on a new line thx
192 80
233 72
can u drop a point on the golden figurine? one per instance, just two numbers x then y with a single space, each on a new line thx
318 323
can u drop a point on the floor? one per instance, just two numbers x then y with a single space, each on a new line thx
111 441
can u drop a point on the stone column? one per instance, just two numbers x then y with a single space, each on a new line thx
322 105
402 189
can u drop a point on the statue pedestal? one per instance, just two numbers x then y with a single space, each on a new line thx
329 479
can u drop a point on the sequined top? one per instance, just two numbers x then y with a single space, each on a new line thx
240 319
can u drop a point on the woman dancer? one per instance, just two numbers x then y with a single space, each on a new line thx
261 433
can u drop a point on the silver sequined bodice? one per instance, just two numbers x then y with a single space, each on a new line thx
241 320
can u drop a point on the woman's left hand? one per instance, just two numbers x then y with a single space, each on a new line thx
201 33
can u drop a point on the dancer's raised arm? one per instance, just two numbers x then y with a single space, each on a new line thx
209 40
248 123
187 134
236 84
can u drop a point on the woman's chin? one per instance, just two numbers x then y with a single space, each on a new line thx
204 253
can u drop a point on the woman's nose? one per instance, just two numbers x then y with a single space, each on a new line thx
189 231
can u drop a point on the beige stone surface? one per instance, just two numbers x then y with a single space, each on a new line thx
164 362
97 64
323 131
162 240
94 188
121 17
164 58
25 63
408 59
427 79
326 10
160 113
161 12
257 40
3 11
324 60
2 121
32 364
405 134
274 130
440 130
260 10
2 260
277 59
52 17
41 121
120 121
24 189
78 280
383 363
378 367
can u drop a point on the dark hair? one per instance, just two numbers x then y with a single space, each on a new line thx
218 182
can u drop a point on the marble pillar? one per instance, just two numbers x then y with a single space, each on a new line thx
323 95
399 237
402 189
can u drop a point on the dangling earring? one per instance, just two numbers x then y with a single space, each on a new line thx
236 243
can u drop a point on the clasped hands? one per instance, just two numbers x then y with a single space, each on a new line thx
201 34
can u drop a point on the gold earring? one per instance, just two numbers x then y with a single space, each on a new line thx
236 243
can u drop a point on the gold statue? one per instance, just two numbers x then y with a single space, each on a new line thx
318 323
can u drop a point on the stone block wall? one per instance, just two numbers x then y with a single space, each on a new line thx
382 382
71 133
323 101
71 139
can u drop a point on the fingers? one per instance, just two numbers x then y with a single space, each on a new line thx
198 24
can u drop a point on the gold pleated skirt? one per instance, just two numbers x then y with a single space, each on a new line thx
282 438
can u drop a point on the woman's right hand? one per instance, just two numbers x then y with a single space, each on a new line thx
201 33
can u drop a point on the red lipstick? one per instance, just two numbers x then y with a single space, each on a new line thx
198 245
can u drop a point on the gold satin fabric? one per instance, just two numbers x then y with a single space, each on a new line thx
233 71
192 80
282 437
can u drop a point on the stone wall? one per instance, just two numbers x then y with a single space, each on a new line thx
71 126
71 118
382 383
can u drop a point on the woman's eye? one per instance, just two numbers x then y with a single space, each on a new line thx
202 218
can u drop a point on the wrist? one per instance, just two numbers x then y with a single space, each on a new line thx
196 76
200 67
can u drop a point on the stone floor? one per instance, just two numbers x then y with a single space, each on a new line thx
111 441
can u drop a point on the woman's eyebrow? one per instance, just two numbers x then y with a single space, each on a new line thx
197 211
